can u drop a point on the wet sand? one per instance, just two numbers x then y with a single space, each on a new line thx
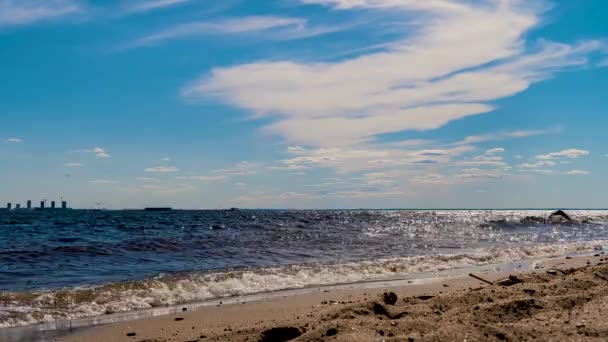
566 299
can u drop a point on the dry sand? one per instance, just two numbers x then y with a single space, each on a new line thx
567 300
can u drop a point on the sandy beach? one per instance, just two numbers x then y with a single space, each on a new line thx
564 299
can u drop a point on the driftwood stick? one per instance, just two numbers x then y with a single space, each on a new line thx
480 278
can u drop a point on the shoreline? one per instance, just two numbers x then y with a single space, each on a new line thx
238 318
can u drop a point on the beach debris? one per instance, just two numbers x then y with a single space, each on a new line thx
560 216
281 334
131 334
601 276
552 271
177 319
480 278
512 280
331 332
390 298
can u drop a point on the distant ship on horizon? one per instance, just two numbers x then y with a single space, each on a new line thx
158 209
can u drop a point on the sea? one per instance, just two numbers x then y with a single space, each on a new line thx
58 266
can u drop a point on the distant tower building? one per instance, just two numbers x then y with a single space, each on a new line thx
52 204
41 204
64 204
9 206
17 206
29 204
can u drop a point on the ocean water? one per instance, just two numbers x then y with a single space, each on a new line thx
57 265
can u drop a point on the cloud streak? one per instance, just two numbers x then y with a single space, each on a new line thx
23 12
570 153
149 5
280 28
161 169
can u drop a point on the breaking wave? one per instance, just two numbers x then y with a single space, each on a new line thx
24 308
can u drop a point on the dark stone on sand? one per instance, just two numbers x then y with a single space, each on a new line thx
380 310
389 298
131 334
282 334
184 309
331 332
425 297
177 319
501 336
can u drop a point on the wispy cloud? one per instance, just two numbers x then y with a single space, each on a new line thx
147 179
570 153
161 169
98 151
577 172
103 181
359 98
204 178
538 164
148 5
506 135
73 164
23 12
274 28
14 140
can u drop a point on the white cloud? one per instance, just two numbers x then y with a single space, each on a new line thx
480 175
166 159
103 181
161 169
431 179
23 12
577 172
497 136
570 153
240 169
14 140
73 164
147 179
495 150
148 5
541 171
538 164
491 163
348 159
98 151
282 28
359 98
205 178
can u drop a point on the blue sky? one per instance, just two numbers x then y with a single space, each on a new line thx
304 103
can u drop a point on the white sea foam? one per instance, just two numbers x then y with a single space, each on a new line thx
19 309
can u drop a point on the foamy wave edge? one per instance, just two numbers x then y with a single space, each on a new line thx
20 309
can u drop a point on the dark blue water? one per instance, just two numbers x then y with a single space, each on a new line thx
126 260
